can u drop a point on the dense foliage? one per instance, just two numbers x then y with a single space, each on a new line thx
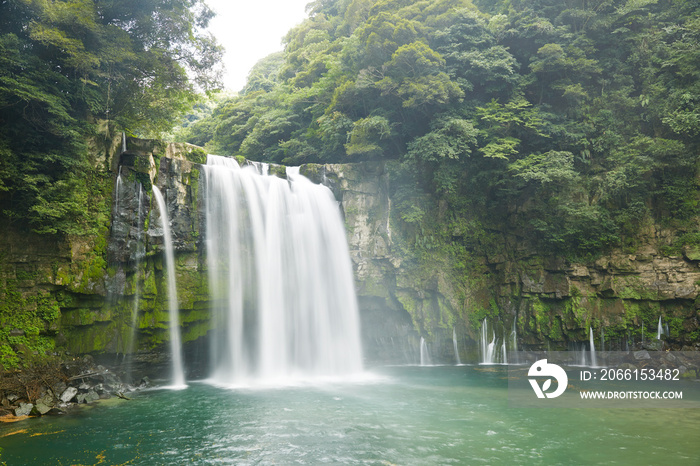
576 120
67 64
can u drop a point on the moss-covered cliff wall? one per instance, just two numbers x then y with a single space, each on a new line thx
442 276
106 292
448 273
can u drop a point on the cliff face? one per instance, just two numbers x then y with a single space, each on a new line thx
107 294
554 302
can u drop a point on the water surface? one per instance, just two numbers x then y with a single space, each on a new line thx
398 415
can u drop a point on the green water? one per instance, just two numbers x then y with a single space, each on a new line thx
402 415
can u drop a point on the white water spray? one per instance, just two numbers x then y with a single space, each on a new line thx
594 362
424 354
659 330
514 342
178 373
454 343
280 276
117 190
493 351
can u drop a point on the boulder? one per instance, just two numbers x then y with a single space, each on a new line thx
639 355
653 345
59 388
68 394
45 404
626 365
24 409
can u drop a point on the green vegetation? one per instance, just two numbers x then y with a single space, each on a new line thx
68 64
72 73
571 123
26 324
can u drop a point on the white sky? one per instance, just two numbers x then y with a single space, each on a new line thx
251 30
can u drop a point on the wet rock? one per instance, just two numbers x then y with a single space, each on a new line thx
670 359
91 396
59 388
68 394
24 409
145 382
45 404
626 365
653 345
639 355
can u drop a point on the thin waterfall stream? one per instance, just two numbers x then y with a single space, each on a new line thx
178 372
458 361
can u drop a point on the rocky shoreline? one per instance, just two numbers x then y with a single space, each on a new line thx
59 387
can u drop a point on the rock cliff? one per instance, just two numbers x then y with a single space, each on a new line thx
107 293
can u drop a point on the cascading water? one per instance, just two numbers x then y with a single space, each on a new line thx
486 348
454 343
659 329
424 354
178 373
504 351
123 142
594 362
489 348
514 342
280 277
117 191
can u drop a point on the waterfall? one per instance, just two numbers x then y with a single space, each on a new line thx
117 190
123 142
280 277
424 354
594 362
504 352
602 339
483 343
514 341
659 330
488 349
178 373
454 343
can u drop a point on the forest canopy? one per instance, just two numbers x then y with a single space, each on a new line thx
67 64
579 119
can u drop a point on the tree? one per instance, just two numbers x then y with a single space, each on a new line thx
68 63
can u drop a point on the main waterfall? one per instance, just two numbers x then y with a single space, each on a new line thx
280 277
